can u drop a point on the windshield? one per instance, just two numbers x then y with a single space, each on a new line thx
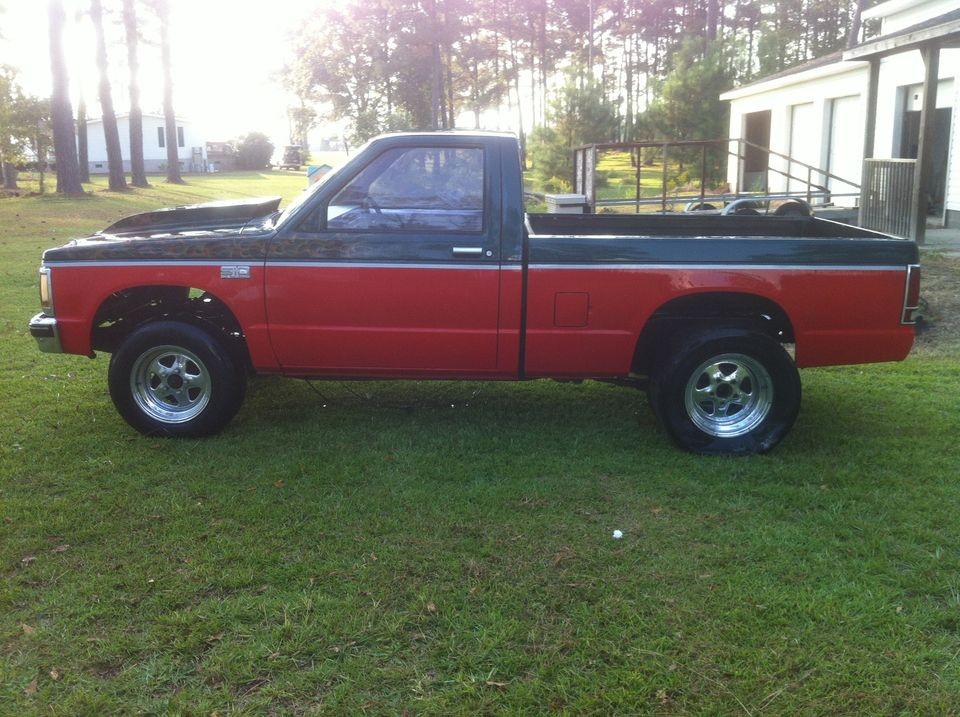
305 195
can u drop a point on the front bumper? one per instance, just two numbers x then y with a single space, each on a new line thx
44 329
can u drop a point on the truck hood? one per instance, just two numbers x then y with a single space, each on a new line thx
195 217
227 230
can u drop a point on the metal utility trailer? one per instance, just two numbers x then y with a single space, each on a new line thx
815 196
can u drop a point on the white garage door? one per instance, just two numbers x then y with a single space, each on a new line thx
846 147
803 148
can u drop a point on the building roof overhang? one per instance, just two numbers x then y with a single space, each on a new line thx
943 31
804 73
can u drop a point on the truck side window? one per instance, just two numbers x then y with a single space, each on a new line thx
413 189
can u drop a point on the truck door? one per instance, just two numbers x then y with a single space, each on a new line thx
395 271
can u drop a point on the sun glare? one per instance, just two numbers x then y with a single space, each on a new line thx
228 60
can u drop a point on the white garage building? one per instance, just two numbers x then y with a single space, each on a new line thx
816 114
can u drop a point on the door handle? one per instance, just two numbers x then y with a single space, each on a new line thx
467 251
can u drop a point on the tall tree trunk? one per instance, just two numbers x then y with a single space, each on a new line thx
436 92
138 174
9 176
533 81
111 135
64 140
436 79
515 66
497 80
448 72
475 91
441 88
451 103
388 80
40 150
854 36
713 13
82 153
542 46
170 118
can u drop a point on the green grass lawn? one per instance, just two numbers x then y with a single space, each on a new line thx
446 548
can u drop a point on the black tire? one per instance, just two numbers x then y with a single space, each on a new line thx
726 391
793 208
169 378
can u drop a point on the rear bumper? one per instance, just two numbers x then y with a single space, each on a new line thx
44 329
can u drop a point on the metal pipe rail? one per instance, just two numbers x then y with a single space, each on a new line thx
586 156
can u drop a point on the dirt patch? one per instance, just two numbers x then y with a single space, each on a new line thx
938 325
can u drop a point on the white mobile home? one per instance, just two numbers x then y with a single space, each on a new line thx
817 114
191 147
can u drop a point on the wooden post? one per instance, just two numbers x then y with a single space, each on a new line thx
870 131
639 165
663 182
921 180
576 172
593 185
703 173
741 154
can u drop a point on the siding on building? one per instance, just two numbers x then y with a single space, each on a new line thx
192 154
809 143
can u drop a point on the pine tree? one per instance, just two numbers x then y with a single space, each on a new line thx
64 140
117 182
162 9
138 174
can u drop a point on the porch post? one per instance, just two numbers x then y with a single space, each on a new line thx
870 131
921 179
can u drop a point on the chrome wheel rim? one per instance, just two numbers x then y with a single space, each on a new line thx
728 395
170 384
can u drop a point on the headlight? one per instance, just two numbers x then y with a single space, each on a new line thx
46 291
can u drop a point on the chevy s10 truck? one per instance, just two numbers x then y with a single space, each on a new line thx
416 260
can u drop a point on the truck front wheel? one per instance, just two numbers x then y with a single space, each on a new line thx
170 378
726 391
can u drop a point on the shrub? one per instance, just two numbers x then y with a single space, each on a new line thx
556 185
254 151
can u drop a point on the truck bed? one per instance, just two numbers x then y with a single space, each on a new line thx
679 225
717 240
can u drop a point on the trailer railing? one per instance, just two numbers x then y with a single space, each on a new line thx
815 182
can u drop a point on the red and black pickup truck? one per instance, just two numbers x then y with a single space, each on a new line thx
416 260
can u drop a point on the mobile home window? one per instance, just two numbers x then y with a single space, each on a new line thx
160 142
179 136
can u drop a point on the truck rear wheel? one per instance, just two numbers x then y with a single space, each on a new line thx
726 391
170 378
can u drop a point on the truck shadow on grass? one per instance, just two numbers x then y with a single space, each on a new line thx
538 418
445 413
